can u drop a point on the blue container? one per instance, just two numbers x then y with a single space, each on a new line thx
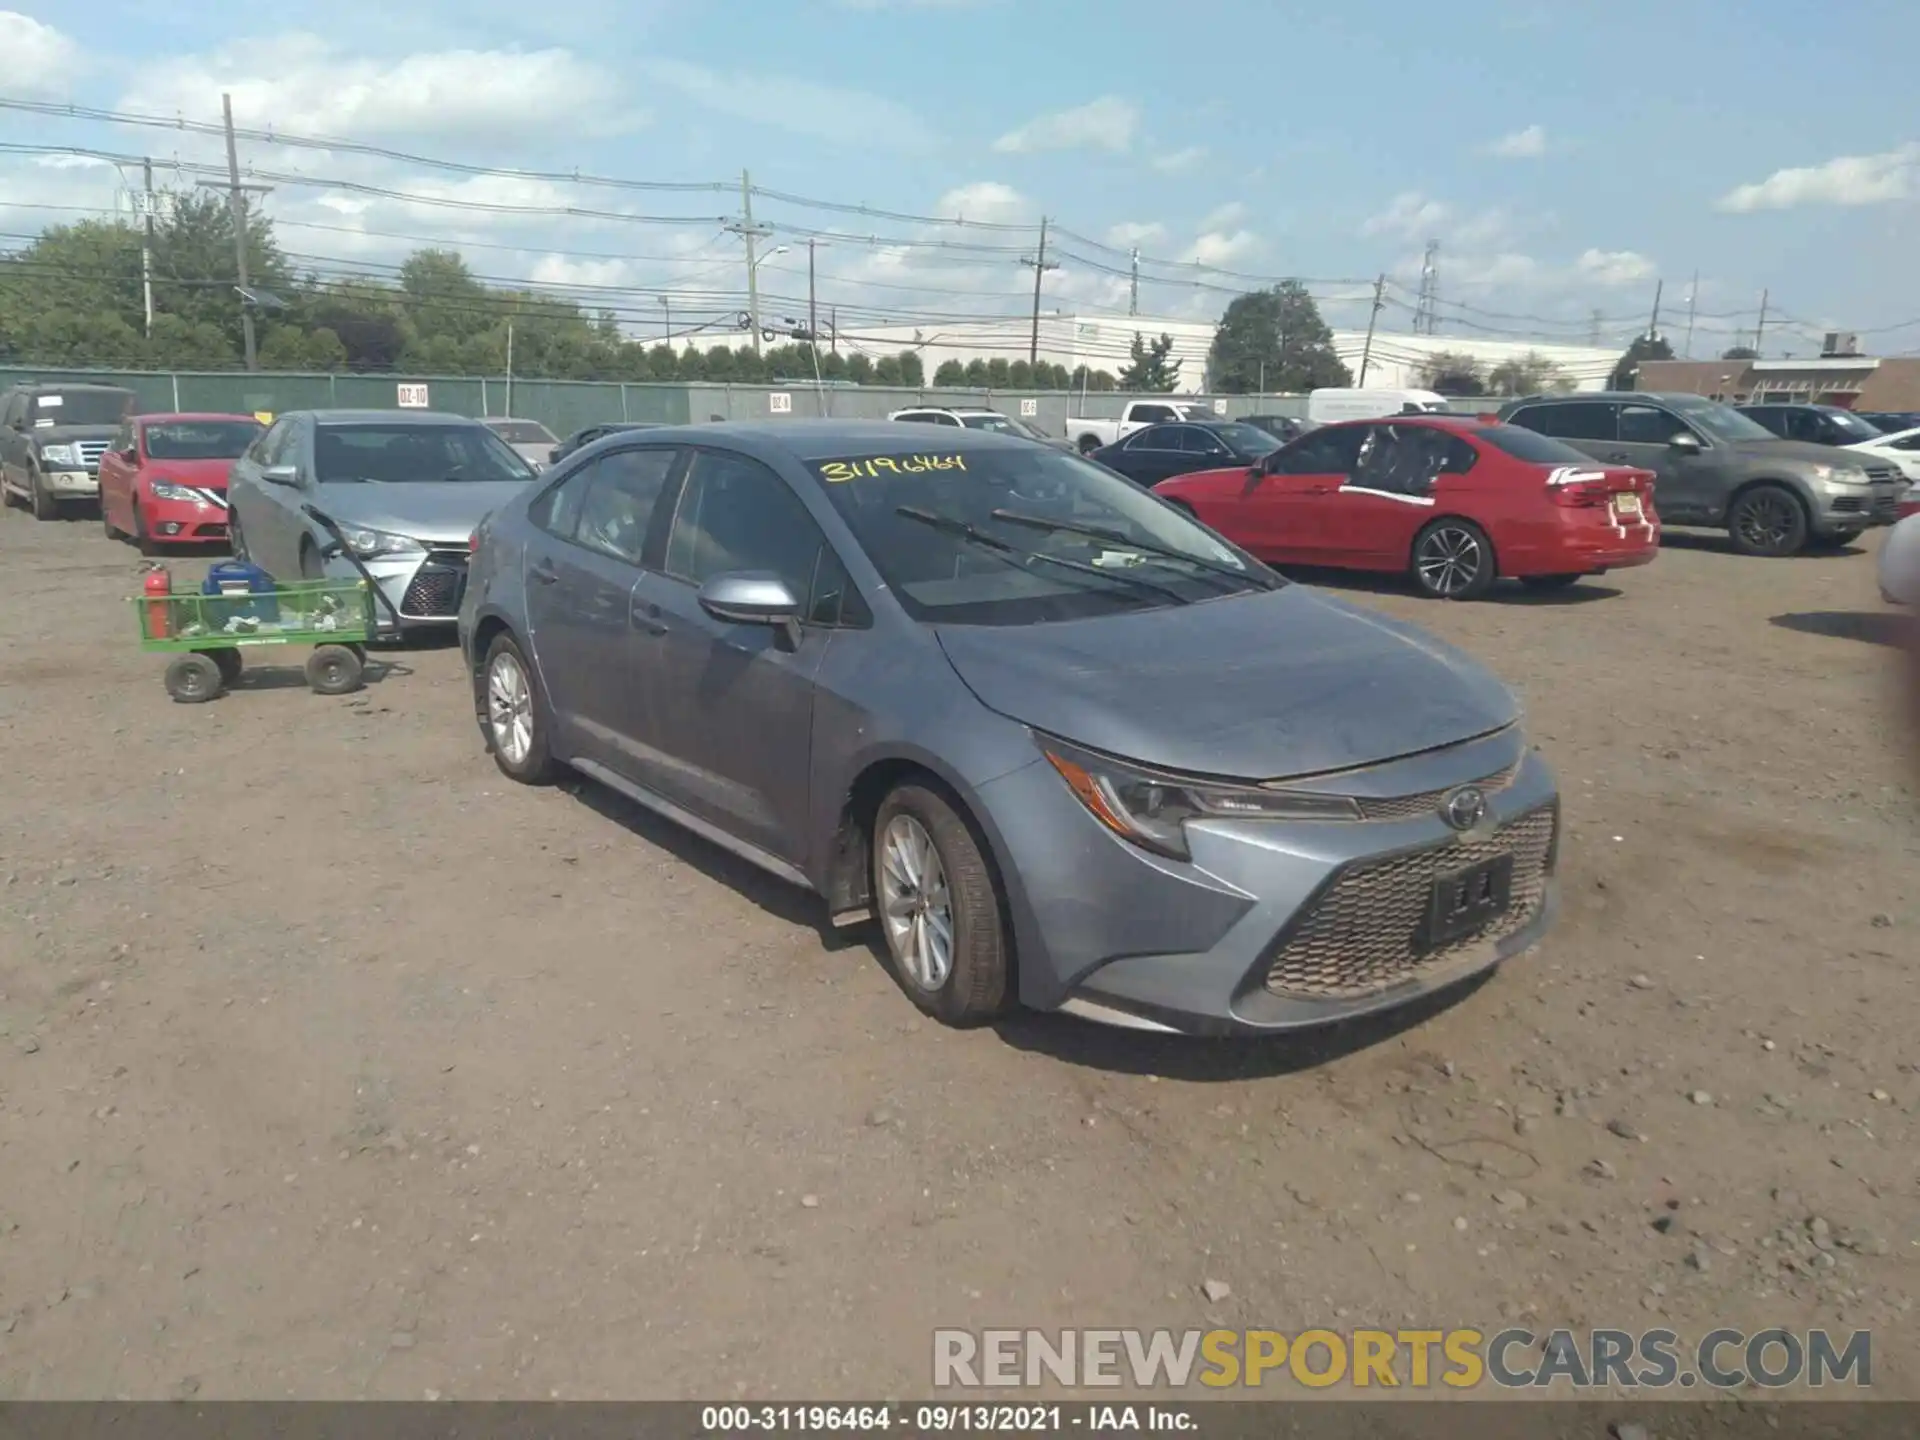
247 589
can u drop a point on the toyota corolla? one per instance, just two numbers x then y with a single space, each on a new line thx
1064 745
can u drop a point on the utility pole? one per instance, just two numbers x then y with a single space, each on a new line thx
833 325
1760 328
1425 320
749 232
666 305
1693 290
1040 265
1133 290
1653 325
509 409
1595 336
1366 351
237 203
813 321
146 241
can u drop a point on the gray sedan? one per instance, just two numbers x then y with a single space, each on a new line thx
1067 747
407 489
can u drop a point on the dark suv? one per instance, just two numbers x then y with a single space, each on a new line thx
1815 424
51 440
1717 468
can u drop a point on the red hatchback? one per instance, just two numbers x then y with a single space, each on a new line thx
164 482
1455 502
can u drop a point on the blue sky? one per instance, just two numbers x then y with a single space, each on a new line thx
1565 159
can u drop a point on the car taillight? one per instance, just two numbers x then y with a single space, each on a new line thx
1587 495
473 542
1908 506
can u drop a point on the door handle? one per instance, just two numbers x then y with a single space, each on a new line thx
544 572
647 618
1319 489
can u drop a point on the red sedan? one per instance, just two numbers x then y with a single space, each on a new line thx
164 482
1455 502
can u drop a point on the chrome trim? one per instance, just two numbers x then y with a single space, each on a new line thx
707 831
1107 1015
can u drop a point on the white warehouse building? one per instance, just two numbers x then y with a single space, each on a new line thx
1103 342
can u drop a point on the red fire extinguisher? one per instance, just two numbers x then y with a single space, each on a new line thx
158 587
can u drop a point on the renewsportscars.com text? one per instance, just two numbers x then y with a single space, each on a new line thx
1457 1359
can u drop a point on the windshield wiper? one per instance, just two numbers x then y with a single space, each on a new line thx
1146 547
951 525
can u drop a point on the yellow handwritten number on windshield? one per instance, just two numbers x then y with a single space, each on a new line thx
839 471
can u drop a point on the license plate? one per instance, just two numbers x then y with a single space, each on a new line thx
1627 505
1465 901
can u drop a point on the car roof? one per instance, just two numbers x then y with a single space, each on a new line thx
383 417
807 440
1426 417
78 387
157 417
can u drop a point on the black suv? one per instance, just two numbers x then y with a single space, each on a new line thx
1815 424
51 440
1714 467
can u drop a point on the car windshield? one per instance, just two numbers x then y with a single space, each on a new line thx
998 424
1530 445
1722 422
940 573
1248 440
522 432
82 407
1853 427
200 439
413 454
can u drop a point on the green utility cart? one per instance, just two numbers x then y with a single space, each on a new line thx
206 634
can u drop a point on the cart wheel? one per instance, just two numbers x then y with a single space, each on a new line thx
228 659
194 679
334 670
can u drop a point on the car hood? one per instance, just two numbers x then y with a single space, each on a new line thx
1798 450
1261 687
537 453
66 434
188 472
433 511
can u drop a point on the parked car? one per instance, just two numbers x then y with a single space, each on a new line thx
164 479
1453 503
977 420
1901 448
1160 452
1089 435
1066 746
1815 424
51 439
1891 422
407 487
1899 564
1717 468
1330 404
1282 427
580 439
528 439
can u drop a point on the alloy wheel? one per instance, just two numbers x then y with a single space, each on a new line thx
1449 559
510 709
1766 521
916 908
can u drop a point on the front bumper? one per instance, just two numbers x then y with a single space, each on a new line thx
1273 927
71 484
185 522
1864 508
425 589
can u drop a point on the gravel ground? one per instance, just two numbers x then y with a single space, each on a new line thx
333 1065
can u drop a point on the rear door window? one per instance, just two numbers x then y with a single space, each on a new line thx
1595 421
617 501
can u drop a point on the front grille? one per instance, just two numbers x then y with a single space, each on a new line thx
1848 504
90 452
1409 807
1362 935
1882 473
437 586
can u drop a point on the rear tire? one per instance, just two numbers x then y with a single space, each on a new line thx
939 909
516 714
1453 560
334 670
226 660
1088 444
193 679
1550 582
1768 520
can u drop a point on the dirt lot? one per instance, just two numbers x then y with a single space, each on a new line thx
335 1066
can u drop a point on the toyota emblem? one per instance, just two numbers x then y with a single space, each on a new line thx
1465 807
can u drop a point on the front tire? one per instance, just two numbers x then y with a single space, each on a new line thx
141 539
1453 560
194 679
516 714
334 670
939 909
1768 520
43 505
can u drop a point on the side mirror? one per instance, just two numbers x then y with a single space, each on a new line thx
281 475
1686 442
750 597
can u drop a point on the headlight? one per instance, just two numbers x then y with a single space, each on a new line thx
371 544
1152 810
1839 475
167 490
60 454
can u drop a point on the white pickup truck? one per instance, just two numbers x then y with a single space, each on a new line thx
1089 435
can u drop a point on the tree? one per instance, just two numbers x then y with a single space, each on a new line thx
1527 374
1740 352
860 370
977 374
1644 347
692 365
1276 339
1453 372
1020 375
887 370
950 375
913 374
999 374
1151 370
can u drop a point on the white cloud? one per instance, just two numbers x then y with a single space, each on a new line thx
1527 144
1216 247
1614 267
304 84
1409 215
834 113
38 56
983 200
71 162
1104 124
1229 214
1129 233
911 4
1175 160
1845 180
